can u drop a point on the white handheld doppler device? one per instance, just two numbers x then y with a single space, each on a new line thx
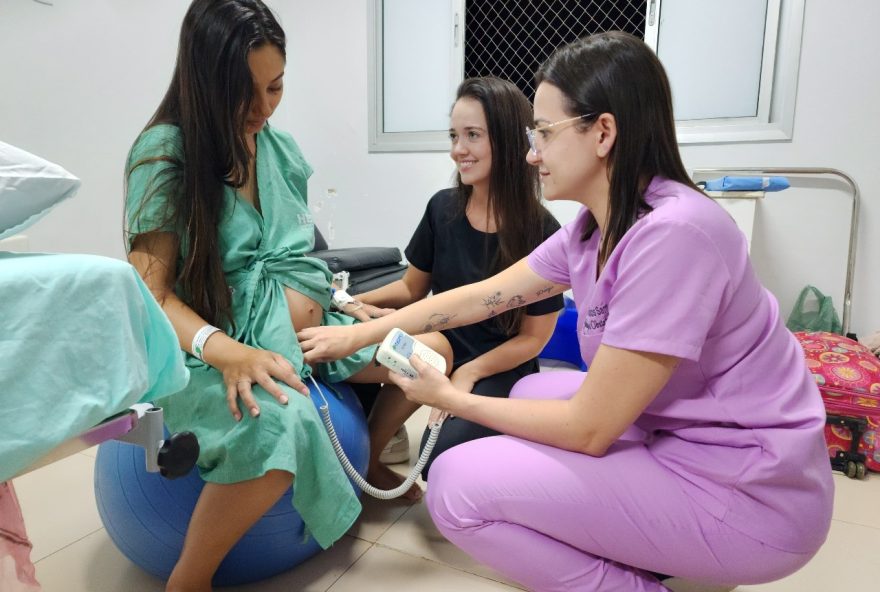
396 349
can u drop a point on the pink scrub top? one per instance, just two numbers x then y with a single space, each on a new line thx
741 420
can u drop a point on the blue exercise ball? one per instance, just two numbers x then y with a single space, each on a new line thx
563 344
146 515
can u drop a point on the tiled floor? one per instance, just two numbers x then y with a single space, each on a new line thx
392 545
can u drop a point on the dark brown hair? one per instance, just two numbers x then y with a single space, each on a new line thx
617 73
208 100
514 191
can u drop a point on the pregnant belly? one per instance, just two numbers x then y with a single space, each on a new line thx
304 312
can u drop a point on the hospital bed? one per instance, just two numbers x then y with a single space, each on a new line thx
84 348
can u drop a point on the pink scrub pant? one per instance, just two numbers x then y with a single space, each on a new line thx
558 520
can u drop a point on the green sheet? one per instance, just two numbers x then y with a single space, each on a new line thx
81 338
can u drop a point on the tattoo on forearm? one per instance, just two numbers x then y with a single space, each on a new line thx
543 291
438 321
493 300
516 301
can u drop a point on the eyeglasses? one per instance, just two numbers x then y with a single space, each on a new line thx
530 133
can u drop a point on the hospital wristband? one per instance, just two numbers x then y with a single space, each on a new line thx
340 298
200 338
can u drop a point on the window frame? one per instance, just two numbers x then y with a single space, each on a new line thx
415 141
778 86
777 93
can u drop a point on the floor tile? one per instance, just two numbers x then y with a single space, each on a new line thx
857 501
93 452
415 534
58 504
393 544
378 515
847 561
94 564
315 575
382 569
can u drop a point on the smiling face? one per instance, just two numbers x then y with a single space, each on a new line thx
571 155
471 148
267 72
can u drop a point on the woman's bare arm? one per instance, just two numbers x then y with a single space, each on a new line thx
154 256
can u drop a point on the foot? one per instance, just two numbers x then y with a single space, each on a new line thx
381 477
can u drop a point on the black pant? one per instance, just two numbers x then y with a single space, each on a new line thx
457 431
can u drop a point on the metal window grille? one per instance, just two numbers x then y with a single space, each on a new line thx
511 39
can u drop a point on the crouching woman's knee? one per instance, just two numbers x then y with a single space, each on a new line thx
452 497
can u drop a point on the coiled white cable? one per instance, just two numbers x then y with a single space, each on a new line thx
352 472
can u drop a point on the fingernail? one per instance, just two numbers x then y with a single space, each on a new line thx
255 412
304 391
283 400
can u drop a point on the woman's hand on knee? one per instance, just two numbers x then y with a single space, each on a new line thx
262 367
464 379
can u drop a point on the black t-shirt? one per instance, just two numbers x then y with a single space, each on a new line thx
455 254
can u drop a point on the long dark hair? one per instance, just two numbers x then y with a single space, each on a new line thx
514 191
208 100
617 73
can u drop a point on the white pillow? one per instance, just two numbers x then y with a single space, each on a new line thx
29 188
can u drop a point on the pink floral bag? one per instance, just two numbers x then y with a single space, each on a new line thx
848 375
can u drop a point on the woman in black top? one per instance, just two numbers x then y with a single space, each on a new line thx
468 233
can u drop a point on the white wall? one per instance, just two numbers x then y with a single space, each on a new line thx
80 79
836 125
379 197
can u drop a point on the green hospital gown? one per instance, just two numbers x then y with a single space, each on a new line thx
261 253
